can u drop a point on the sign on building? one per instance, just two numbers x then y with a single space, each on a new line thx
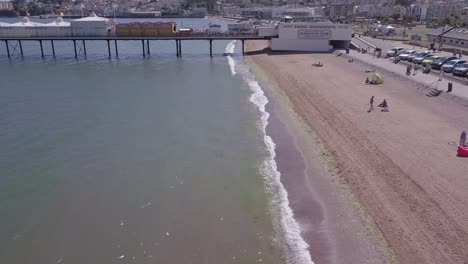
313 34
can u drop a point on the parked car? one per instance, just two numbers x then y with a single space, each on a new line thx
405 54
437 64
450 65
429 59
411 57
420 58
395 52
460 70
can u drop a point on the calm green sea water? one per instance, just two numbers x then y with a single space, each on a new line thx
131 160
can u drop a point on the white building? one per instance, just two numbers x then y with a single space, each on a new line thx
441 10
6 5
25 28
58 28
91 26
317 37
214 29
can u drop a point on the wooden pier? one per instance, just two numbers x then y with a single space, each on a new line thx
79 43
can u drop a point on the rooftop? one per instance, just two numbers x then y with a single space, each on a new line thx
458 33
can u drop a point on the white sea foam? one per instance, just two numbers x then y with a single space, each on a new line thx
230 47
229 51
286 227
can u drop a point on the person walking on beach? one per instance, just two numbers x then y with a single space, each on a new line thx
416 67
463 138
408 70
371 102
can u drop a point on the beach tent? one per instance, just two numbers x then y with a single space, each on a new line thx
462 151
376 79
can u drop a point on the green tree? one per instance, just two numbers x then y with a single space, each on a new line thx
410 18
396 16
404 2
451 21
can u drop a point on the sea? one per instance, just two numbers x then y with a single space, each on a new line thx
139 160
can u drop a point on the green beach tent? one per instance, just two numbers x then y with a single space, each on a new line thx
376 79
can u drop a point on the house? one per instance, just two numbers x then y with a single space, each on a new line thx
6 5
457 37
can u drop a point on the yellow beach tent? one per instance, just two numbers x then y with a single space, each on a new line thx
376 79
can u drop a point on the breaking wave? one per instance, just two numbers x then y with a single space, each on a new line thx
288 232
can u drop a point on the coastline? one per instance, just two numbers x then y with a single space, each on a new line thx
415 198
333 223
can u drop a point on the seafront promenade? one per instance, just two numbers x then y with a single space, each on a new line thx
428 81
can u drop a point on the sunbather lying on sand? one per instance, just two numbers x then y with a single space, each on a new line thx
318 64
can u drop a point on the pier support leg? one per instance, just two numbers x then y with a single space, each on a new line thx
42 49
7 49
21 48
53 47
116 49
108 48
84 48
211 48
177 47
143 47
243 47
180 48
74 45
147 47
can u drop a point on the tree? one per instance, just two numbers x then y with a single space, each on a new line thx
396 16
19 5
451 21
386 19
404 2
409 18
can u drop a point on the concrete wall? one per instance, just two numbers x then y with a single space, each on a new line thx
277 44
267 31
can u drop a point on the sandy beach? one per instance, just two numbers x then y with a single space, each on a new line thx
366 187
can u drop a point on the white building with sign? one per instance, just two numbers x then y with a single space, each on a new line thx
318 37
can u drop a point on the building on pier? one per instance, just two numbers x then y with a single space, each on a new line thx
58 28
25 28
311 37
92 26
146 29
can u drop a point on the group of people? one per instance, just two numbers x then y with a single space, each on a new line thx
370 81
410 68
383 105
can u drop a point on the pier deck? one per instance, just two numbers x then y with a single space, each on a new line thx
16 42
223 37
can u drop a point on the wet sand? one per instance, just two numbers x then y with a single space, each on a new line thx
366 187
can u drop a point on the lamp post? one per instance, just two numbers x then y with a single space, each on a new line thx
114 6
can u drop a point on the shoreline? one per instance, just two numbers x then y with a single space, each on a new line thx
416 198
317 194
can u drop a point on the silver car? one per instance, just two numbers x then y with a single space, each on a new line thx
405 54
450 65
395 52
420 58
